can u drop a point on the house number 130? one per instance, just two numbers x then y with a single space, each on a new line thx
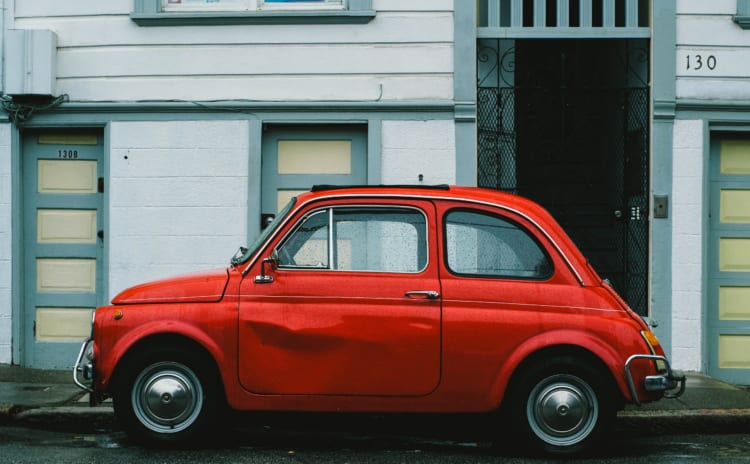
698 62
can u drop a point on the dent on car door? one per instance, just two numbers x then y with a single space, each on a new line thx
353 308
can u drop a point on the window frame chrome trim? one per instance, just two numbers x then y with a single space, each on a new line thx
330 250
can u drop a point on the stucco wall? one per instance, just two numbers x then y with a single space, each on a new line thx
178 197
6 325
687 249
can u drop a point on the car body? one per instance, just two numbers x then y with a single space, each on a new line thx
382 299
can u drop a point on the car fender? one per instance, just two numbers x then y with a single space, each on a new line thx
170 327
559 341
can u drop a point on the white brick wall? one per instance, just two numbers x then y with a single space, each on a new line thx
6 326
178 198
687 249
411 148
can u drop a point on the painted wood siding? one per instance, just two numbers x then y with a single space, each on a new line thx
713 52
404 53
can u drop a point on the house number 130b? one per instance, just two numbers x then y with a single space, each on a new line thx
698 62
67 154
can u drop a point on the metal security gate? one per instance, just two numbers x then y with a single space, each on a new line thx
561 123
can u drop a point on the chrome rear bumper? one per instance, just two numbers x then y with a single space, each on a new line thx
665 382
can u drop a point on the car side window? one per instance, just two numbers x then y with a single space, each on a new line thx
308 244
367 239
482 244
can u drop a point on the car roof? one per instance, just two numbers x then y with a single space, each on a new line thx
440 191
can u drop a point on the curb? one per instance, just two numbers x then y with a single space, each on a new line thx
78 419
668 413
691 421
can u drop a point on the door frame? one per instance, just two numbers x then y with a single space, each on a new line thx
323 132
374 130
624 213
18 216
713 327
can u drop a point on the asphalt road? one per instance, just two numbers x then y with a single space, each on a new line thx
374 440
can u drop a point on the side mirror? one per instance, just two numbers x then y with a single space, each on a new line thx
272 260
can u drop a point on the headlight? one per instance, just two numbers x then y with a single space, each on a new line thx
90 351
93 319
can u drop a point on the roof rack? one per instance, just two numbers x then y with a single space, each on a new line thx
324 187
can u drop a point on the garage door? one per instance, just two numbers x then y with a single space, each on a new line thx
63 242
729 260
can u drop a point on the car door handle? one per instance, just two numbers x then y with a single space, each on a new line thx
427 294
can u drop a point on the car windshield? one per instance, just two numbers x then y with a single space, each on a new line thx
243 254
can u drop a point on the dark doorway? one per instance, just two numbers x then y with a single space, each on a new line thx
575 139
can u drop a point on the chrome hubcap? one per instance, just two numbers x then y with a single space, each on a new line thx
167 397
562 410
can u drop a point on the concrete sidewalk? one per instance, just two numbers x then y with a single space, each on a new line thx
708 405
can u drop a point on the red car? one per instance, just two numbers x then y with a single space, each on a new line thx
384 299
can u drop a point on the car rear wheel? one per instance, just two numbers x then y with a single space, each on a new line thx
560 406
167 396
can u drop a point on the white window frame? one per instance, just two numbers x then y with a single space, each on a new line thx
250 5
159 13
327 5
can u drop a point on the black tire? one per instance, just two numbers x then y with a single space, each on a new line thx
561 405
167 396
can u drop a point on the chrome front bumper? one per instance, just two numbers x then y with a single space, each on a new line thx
84 368
664 382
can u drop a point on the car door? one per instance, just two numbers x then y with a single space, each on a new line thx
502 284
350 307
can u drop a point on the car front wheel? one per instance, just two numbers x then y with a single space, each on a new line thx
166 397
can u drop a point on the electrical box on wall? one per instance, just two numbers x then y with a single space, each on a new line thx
30 62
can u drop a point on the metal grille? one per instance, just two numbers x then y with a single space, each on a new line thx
636 191
520 154
497 138
559 18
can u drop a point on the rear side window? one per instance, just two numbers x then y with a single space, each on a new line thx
480 244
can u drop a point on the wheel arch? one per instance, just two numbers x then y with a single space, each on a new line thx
512 371
171 340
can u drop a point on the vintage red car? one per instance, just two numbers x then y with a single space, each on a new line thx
384 299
